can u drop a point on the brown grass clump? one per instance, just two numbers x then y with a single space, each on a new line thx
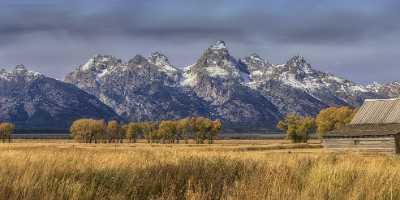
74 171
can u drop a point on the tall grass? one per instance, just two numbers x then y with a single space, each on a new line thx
168 173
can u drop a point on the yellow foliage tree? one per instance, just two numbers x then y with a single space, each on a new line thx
184 128
98 130
333 118
132 131
201 127
6 130
296 127
150 131
305 127
114 131
216 127
167 131
87 130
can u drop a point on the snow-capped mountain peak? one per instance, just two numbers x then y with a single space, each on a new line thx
298 63
20 68
19 72
218 45
159 58
162 62
216 52
100 62
256 57
255 64
216 62
138 60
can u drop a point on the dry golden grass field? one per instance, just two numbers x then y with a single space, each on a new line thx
229 169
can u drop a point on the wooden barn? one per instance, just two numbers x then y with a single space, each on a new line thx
374 128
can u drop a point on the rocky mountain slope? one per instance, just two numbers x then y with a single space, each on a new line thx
34 101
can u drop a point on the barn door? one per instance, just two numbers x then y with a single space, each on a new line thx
397 142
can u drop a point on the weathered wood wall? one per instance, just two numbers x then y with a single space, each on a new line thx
376 144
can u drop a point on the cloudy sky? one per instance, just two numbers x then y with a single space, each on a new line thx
357 39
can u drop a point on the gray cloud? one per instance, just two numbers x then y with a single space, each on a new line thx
303 23
55 35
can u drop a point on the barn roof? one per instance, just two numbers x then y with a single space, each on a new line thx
376 117
378 111
355 130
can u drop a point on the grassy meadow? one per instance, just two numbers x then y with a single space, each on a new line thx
229 169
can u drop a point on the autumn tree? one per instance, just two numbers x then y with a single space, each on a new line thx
184 128
132 131
216 127
333 118
124 131
80 130
289 126
88 130
167 131
6 130
146 127
98 130
296 127
113 130
201 127
150 131
306 127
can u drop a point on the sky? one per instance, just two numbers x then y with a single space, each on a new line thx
357 39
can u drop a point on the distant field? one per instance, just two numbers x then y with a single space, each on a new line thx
230 169
40 135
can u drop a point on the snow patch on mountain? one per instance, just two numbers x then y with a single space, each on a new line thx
217 71
375 86
102 73
189 79
245 77
337 79
88 65
358 88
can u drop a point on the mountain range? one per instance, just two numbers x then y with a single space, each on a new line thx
246 93
34 101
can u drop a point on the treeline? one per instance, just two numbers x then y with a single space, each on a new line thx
167 131
298 128
6 130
